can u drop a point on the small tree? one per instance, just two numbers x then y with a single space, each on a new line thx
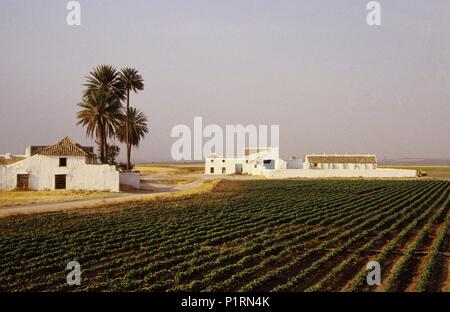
113 152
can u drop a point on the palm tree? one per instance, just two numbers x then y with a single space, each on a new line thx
137 128
104 78
103 93
101 115
130 80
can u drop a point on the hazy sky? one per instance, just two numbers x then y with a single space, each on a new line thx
315 68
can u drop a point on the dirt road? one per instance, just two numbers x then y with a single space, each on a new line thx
150 190
155 182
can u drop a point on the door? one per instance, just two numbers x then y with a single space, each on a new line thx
22 182
60 182
238 168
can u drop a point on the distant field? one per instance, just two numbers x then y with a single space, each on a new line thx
173 169
435 171
170 173
245 235
157 167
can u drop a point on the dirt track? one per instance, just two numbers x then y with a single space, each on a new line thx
151 188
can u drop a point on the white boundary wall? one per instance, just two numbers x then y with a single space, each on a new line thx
341 173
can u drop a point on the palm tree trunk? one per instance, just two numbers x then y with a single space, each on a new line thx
127 133
105 148
100 140
129 154
102 148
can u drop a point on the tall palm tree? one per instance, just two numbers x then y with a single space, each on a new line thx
101 115
103 85
104 78
130 80
137 128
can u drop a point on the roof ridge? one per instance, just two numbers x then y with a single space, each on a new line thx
368 158
65 147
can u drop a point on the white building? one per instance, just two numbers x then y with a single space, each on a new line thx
65 165
340 162
266 162
256 161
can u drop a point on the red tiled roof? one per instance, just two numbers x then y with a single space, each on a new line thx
65 147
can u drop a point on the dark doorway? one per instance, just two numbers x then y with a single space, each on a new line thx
22 182
60 182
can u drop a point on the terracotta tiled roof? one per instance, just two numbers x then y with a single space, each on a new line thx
342 159
65 147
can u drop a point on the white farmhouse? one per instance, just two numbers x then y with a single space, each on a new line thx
256 161
65 165
266 162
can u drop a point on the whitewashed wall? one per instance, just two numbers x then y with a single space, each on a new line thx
42 170
228 163
342 173
306 165
252 164
293 164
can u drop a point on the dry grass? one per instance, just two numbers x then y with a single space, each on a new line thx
205 187
153 169
10 161
171 174
177 181
170 168
15 198
434 171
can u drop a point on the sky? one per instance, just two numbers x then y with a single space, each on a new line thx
332 83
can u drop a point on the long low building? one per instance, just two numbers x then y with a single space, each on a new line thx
65 165
353 162
266 162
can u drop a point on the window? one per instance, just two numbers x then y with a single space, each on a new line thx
63 162
223 160
224 170
212 160
267 161
246 161
211 170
